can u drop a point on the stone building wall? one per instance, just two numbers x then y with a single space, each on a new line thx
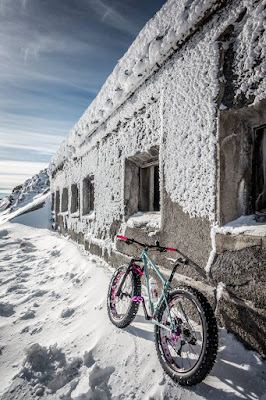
196 112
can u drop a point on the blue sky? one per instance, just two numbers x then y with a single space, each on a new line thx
55 56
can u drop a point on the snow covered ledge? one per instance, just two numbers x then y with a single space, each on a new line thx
241 233
145 220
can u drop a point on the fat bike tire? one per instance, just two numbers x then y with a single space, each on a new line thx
188 354
122 310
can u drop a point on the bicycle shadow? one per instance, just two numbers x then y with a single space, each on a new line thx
136 328
235 374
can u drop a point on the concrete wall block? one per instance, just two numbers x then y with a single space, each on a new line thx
244 274
247 324
236 242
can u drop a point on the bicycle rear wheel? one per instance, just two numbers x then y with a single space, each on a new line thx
121 309
188 352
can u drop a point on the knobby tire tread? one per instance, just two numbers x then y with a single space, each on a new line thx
210 354
130 315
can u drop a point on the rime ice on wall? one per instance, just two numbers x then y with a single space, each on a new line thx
160 36
106 162
250 49
175 108
189 132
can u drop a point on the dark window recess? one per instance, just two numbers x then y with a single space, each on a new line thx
53 201
74 198
142 186
156 199
57 201
64 205
259 170
88 195
149 189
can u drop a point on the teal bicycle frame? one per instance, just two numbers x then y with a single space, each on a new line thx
146 259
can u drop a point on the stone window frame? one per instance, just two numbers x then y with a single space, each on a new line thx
64 200
139 173
75 198
88 195
235 154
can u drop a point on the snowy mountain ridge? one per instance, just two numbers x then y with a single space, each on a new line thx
30 195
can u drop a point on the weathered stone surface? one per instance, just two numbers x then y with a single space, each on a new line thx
93 248
244 273
235 190
236 242
247 324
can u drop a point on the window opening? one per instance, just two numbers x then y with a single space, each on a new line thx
74 198
64 205
149 189
57 201
259 170
142 185
53 201
88 195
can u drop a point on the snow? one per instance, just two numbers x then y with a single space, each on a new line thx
246 225
250 48
32 193
144 220
213 251
39 218
57 341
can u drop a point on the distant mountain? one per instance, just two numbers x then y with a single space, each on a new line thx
32 195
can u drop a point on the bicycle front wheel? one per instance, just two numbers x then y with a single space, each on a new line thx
122 309
188 352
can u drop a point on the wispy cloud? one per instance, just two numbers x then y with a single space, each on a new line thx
16 172
55 56
112 17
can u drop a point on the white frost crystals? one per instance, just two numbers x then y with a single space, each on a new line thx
169 27
250 64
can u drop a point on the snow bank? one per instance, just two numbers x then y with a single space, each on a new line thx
83 356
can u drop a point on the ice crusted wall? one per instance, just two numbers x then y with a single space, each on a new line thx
160 36
250 52
176 108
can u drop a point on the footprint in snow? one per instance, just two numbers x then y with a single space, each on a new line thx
3 233
7 258
6 310
28 315
55 253
26 244
67 312
16 288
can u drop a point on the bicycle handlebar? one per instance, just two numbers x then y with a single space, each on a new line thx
149 246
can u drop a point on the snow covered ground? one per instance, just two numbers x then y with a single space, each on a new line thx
56 340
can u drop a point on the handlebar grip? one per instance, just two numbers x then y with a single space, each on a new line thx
121 237
127 240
